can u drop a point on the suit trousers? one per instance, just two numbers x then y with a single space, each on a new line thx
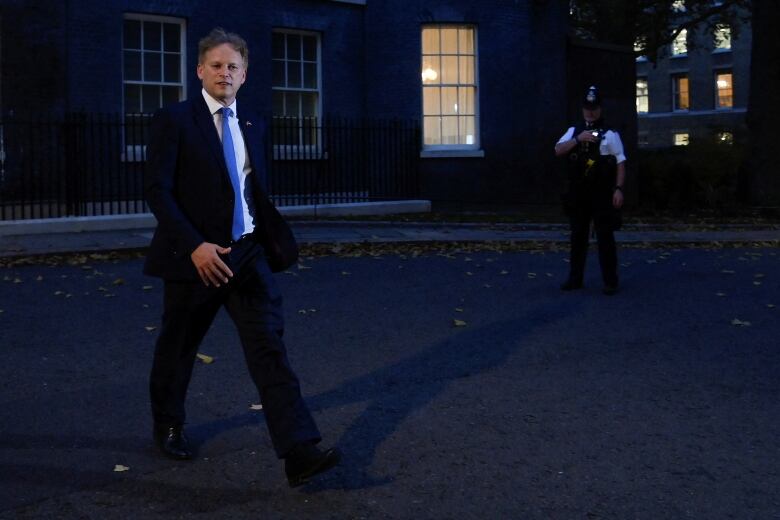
579 219
254 303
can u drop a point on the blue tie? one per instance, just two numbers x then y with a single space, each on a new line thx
230 161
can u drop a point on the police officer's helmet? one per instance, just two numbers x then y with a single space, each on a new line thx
592 99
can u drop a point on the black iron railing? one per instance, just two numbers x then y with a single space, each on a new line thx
93 164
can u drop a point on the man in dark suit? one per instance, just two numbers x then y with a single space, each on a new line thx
204 184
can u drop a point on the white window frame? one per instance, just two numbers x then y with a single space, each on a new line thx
453 150
137 152
646 95
676 93
718 106
299 151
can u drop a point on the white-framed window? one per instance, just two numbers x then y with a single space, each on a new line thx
724 89
681 99
678 6
682 138
450 87
153 65
721 38
296 86
680 44
642 95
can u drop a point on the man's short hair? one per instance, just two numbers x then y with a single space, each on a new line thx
217 37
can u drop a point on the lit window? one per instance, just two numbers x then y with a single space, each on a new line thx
725 137
641 95
680 44
722 38
724 90
449 87
152 68
295 83
680 94
678 6
681 139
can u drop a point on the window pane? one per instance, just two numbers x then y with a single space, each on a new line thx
723 37
277 46
132 34
466 70
449 100
449 41
449 69
152 37
294 74
308 104
132 98
431 101
449 130
725 90
278 68
430 40
431 70
680 43
310 48
681 139
170 95
152 66
172 37
278 103
293 47
466 41
467 132
150 97
432 130
310 75
683 91
132 66
641 95
466 101
172 63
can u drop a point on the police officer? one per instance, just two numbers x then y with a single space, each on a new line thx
597 171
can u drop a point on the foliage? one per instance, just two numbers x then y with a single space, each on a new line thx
649 26
702 175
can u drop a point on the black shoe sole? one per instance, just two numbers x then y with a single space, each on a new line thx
330 460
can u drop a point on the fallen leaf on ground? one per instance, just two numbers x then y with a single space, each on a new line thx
720 294
256 407
345 273
119 468
459 323
57 293
39 278
301 267
458 309
740 323
504 271
487 285
758 275
469 273
118 281
770 305
147 287
206 359
150 328
756 282
531 275
727 271
17 280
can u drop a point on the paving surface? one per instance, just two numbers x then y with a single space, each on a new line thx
659 402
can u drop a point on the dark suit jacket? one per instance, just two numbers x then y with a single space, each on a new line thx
188 187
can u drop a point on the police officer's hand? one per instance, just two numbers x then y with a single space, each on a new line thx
617 199
211 269
587 135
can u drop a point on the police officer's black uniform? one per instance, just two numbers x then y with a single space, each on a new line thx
592 168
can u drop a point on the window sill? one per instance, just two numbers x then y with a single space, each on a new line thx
446 154
673 56
721 51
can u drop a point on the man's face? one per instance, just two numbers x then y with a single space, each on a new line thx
222 72
591 114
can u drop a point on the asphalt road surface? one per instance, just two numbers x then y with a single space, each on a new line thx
659 402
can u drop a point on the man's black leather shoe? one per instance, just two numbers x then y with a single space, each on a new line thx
571 285
306 460
172 442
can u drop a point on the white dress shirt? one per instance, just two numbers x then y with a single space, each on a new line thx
242 156
610 144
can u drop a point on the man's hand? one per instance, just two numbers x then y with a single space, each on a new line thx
587 135
211 269
617 199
